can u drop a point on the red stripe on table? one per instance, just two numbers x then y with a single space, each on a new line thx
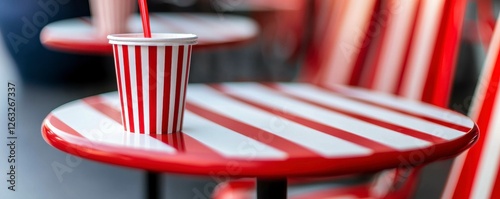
346 94
57 123
251 132
128 89
138 66
152 88
185 143
193 145
394 127
167 73
176 140
179 141
98 104
353 138
178 85
119 80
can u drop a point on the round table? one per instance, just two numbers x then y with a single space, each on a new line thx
77 35
257 5
269 131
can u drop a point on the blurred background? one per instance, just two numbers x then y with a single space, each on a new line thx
46 79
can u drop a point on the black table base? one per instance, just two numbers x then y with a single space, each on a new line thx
271 188
153 185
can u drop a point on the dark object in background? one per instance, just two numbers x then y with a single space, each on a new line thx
21 22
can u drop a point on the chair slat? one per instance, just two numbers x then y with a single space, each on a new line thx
384 72
475 173
335 50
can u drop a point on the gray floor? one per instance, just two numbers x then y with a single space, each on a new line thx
37 178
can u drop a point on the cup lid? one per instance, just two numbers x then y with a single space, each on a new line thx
157 39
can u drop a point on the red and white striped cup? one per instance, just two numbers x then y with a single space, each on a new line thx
152 75
111 16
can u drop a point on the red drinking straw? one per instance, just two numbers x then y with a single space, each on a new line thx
143 6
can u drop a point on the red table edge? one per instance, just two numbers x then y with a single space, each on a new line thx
307 168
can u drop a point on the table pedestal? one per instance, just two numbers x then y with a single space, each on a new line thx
271 189
153 184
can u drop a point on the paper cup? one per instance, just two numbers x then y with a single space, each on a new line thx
111 16
152 75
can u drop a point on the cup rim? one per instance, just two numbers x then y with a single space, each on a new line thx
157 39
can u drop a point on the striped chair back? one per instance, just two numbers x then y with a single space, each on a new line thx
337 43
404 47
409 49
474 174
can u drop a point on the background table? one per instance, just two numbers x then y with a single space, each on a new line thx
268 131
257 5
77 35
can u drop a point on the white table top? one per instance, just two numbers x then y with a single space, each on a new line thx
268 130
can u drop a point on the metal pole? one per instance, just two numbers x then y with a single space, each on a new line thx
271 188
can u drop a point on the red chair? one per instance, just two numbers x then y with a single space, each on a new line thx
407 48
475 174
